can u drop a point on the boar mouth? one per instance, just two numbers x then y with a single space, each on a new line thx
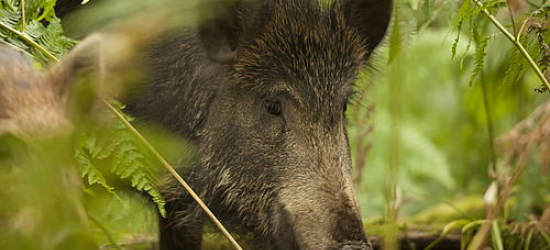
355 245
334 233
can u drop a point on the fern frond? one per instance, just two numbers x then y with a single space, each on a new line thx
10 13
479 58
49 34
40 9
517 67
122 155
462 15
87 169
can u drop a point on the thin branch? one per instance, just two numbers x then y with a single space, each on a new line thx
29 40
516 42
512 18
23 19
149 240
175 174
490 127
518 35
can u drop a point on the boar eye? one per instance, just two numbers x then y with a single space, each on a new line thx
273 107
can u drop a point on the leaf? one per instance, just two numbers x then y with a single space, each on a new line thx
49 34
414 4
457 224
517 67
497 236
529 239
396 37
454 225
466 239
472 225
90 172
463 13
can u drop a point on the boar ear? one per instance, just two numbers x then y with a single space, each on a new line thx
82 61
370 18
76 77
224 25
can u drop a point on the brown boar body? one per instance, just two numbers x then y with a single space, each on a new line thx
29 102
36 103
261 89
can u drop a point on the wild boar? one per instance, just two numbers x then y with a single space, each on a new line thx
261 89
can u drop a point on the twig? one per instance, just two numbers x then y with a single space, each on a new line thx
23 21
516 42
490 128
175 174
512 18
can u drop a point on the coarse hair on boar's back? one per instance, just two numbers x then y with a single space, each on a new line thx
260 88
34 103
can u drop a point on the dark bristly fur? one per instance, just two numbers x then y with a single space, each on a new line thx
282 178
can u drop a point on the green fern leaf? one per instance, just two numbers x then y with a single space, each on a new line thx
10 13
126 158
462 15
517 67
90 172
48 34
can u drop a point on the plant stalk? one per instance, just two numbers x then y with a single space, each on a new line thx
110 238
23 16
490 128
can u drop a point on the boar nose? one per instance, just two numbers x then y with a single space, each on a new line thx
355 245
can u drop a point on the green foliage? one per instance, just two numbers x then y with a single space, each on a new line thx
517 68
41 197
108 156
471 13
112 147
39 23
479 58
497 236
444 149
114 144
463 14
40 9
396 38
